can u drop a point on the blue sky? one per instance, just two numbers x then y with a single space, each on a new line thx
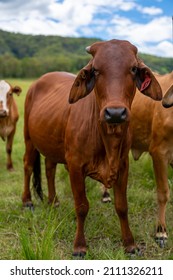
146 23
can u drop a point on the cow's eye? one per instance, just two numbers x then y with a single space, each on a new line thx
134 70
10 93
95 72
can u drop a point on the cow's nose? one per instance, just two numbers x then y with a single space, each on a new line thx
3 113
115 115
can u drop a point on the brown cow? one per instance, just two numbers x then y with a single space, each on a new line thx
90 136
8 117
152 130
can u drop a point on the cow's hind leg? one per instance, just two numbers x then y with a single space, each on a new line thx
29 159
50 174
81 207
161 174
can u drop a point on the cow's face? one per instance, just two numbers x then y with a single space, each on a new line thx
114 72
6 92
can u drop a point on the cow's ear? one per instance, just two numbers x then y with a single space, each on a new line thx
147 83
167 100
17 90
83 84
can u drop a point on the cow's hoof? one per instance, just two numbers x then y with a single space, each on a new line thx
161 241
161 237
106 198
10 169
134 251
80 254
28 205
54 204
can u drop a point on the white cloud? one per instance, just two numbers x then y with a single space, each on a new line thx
164 48
71 14
152 11
37 26
154 31
21 9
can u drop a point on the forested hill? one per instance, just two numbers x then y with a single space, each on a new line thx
31 56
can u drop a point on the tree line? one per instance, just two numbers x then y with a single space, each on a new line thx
30 67
28 56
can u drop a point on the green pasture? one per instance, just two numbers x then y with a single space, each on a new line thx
48 233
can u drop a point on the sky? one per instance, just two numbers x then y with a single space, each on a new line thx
145 23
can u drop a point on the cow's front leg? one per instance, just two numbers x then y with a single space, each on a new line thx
120 199
9 150
81 206
161 174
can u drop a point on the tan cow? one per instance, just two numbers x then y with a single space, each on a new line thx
152 131
8 117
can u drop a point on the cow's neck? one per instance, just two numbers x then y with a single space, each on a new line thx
114 142
108 144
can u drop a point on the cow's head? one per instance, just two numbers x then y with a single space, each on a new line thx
114 72
6 93
168 98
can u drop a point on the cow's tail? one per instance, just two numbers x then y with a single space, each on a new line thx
36 179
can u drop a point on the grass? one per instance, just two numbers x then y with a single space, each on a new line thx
48 233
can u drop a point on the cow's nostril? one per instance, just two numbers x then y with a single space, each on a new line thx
115 115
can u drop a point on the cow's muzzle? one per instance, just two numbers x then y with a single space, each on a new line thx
115 115
3 113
